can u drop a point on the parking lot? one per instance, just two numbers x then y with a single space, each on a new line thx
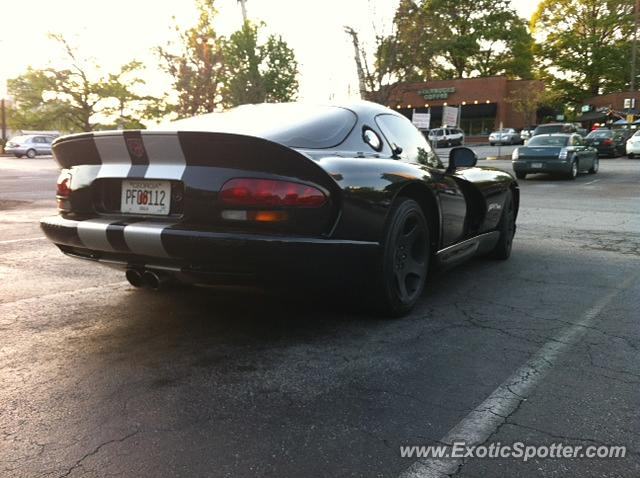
100 379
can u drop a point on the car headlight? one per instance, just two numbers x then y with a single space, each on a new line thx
515 155
564 152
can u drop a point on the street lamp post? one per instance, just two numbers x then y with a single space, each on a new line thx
634 47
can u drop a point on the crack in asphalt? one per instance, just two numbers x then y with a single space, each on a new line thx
97 450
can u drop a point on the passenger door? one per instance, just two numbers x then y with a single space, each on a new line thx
415 149
584 153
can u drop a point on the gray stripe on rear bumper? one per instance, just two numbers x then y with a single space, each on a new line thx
93 234
145 238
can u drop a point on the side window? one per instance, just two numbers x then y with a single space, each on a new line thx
403 133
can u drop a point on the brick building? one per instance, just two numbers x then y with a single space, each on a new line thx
611 107
483 101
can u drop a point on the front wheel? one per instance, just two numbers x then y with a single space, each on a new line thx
595 166
573 172
402 271
521 175
507 229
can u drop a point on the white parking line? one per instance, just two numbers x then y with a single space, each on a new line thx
591 182
485 419
13 241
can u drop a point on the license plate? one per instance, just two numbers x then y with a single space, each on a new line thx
536 165
146 197
596 143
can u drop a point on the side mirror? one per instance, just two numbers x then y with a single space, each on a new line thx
396 150
462 157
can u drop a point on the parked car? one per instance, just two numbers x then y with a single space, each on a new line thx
445 137
552 128
607 142
280 192
29 146
566 154
505 136
633 145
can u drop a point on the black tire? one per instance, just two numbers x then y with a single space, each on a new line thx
492 144
573 173
507 229
630 156
404 262
521 175
595 167
31 153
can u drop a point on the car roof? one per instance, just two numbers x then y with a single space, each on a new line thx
561 135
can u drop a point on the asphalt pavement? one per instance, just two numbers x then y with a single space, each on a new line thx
99 379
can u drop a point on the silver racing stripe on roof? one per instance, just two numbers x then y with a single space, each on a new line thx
145 238
93 234
166 158
114 155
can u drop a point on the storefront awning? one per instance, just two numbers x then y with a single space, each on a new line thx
591 116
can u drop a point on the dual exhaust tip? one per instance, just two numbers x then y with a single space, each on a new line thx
150 279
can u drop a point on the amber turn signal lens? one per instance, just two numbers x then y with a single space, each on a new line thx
270 216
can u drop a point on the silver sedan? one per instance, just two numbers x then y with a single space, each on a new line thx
505 136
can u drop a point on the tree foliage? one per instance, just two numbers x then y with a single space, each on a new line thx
584 45
70 99
257 73
440 39
210 71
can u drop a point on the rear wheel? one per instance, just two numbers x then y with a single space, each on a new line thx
630 155
595 166
507 229
521 175
31 153
405 259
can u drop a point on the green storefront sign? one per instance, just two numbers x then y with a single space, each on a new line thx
437 93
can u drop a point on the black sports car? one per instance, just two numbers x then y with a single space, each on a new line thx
280 192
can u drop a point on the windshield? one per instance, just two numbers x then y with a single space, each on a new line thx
600 134
548 141
291 124
556 128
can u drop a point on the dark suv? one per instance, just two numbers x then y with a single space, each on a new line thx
555 128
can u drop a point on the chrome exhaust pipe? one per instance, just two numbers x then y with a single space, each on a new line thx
155 280
134 277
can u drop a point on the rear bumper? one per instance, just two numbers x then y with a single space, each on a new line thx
548 166
213 256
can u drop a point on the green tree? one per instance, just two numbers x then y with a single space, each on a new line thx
584 45
257 73
196 66
70 99
440 39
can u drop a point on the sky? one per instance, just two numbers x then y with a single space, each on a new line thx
118 31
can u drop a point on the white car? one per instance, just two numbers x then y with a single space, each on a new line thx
633 145
505 136
446 137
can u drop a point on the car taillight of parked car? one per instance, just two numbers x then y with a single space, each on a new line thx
608 142
63 191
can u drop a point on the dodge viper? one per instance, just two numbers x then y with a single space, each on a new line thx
280 192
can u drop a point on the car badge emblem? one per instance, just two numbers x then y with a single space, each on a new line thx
136 147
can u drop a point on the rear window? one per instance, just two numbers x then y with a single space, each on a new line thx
19 139
548 141
292 124
549 129
600 134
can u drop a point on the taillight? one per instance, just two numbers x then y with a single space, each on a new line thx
270 193
63 191
607 142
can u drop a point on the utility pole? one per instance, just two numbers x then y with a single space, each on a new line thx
3 120
243 5
634 48
362 82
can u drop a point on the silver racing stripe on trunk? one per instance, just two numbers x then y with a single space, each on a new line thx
166 158
145 238
114 155
93 234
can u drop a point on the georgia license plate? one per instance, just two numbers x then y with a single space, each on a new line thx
146 197
536 165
